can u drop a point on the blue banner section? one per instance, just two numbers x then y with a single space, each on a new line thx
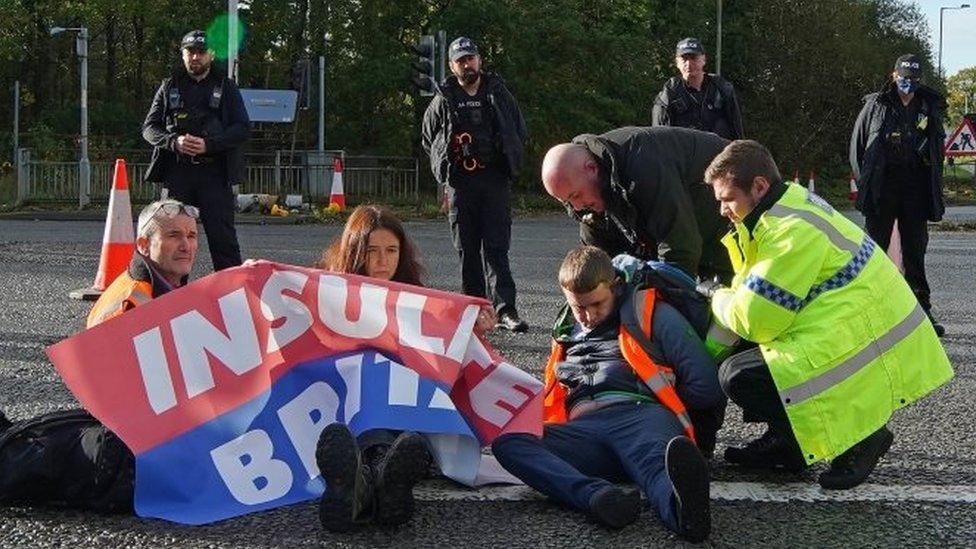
262 454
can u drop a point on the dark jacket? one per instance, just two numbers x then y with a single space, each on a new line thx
225 139
718 112
657 205
594 366
868 151
439 119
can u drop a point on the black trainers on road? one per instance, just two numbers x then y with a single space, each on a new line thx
512 322
939 328
615 507
770 451
348 488
856 464
4 422
688 472
405 464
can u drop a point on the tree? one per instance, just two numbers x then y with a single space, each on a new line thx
961 91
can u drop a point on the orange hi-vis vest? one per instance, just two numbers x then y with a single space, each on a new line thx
130 289
636 315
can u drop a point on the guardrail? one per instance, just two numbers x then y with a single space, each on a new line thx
308 173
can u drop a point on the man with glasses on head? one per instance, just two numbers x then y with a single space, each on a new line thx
69 458
198 125
896 156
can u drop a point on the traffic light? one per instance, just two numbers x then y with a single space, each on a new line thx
425 80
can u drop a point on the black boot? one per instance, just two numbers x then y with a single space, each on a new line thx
939 328
615 507
4 422
396 472
770 451
856 464
348 485
688 472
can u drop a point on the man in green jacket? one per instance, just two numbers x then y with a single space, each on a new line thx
842 342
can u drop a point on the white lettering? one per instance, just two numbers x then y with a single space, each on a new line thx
305 416
499 387
155 370
409 311
333 296
350 369
195 337
404 384
462 336
275 305
252 476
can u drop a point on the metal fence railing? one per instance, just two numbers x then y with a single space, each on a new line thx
308 173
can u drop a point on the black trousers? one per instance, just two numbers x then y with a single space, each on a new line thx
746 379
205 186
480 217
905 200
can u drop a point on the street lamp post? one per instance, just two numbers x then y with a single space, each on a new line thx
84 164
941 12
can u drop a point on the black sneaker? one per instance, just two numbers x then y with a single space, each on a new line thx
688 472
512 322
939 328
348 487
4 422
615 507
856 464
770 451
405 464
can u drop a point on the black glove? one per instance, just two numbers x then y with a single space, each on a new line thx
708 288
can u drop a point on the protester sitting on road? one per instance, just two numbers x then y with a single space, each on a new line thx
370 477
625 369
69 458
842 340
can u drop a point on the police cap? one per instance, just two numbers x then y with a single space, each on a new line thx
689 46
194 40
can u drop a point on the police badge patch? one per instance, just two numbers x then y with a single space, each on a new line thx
816 200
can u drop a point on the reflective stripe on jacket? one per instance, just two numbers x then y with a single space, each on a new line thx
636 316
845 339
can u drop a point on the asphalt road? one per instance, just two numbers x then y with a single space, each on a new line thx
923 493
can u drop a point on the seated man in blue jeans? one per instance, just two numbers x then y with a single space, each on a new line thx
624 367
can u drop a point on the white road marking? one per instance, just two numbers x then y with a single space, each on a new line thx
742 491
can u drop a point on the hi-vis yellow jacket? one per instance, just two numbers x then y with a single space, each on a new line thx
846 341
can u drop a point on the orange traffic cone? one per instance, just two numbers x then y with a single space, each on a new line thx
118 241
338 196
853 195
811 183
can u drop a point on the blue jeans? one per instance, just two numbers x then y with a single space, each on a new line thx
620 443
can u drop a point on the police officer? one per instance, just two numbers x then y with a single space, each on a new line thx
198 125
843 343
896 155
474 133
697 99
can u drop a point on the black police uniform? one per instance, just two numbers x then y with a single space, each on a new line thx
896 155
713 108
475 147
211 108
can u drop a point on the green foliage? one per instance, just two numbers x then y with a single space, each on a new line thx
961 86
575 66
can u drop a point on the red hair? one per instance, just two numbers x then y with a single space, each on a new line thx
347 252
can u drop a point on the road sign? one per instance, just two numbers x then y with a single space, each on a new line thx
962 142
270 105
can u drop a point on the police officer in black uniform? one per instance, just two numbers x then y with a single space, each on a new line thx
474 133
198 125
896 155
696 99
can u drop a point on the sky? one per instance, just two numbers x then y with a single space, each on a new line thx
958 33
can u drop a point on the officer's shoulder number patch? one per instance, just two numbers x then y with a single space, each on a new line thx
816 200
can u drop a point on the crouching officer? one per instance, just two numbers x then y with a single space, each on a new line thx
198 125
625 371
842 340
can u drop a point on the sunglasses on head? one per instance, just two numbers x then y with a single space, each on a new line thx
169 210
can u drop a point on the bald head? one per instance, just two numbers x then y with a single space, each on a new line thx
571 174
